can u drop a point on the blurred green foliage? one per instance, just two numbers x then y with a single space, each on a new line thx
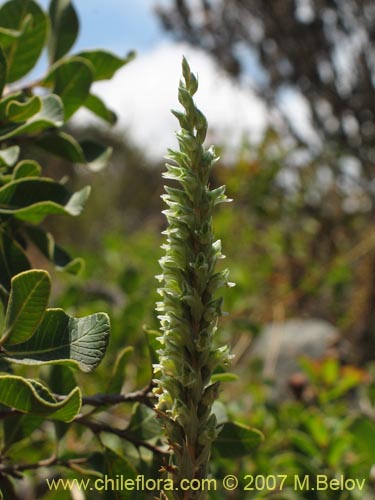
299 242
291 254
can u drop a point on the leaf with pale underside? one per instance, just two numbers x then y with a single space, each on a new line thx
60 338
61 144
9 156
32 199
51 115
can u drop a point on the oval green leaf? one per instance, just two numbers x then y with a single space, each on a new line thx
32 199
51 114
21 111
143 424
30 396
9 156
71 79
76 342
24 50
97 106
224 377
118 374
12 259
65 27
29 295
96 155
55 254
92 154
8 36
63 145
237 440
19 427
27 168
105 63
13 96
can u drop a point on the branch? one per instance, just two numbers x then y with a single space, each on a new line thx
98 427
9 413
24 88
16 469
144 396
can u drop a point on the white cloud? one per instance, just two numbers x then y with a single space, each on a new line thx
143 93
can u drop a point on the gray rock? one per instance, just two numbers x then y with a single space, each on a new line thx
280 345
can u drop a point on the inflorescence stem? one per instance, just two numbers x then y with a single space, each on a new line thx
189 309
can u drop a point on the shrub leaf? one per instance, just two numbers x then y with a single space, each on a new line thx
29 295
60 338
30 396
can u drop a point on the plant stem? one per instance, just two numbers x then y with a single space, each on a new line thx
17 469
98 427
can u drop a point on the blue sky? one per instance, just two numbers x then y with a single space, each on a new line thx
117 25
144 91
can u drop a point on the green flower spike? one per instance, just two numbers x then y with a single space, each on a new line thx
189 309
